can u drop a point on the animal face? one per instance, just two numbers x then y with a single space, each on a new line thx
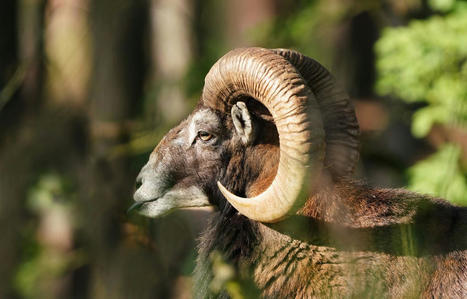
219 142
183 168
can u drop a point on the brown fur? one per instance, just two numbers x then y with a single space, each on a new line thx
351 240
348 240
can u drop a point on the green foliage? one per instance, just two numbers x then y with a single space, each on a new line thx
442 5
293 32
226 278
441 175
426 62
44 260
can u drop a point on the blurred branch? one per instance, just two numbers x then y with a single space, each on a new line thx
140 144
7 93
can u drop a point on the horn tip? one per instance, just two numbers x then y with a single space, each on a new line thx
223 190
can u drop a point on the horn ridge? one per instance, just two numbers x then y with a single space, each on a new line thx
339 120
276 83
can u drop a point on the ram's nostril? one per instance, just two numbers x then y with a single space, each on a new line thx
138 183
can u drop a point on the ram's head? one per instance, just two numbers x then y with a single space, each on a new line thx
267 123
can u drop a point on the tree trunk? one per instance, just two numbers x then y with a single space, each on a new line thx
21 74
117 270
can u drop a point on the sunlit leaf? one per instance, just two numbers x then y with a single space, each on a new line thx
440 175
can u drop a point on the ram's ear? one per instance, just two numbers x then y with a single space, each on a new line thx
243 123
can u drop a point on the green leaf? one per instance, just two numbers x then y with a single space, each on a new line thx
440 175
441 5
424 119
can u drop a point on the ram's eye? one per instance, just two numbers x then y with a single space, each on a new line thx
205 136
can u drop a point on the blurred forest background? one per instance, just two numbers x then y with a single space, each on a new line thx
88 88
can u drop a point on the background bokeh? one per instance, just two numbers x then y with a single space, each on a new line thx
88 88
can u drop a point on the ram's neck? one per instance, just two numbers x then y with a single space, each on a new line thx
230 237
282 265
272 258
347 238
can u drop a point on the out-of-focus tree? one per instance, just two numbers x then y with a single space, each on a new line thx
242 16
426 63
172 53
67 50
21 84
8 54
116 270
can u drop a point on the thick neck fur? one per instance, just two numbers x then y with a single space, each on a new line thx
367 214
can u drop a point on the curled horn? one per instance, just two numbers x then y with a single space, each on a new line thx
275 82
337 112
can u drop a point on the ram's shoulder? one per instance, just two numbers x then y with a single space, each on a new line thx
356 204
404 206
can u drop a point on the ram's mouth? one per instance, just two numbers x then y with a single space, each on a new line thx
137 205
169 201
